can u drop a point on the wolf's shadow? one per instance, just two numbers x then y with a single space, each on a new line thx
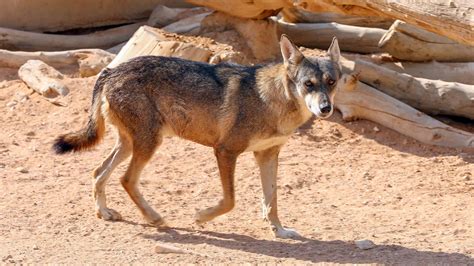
311 250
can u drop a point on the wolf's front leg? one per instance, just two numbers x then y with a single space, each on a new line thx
226 161
267 161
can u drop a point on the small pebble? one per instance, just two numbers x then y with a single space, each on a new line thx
376 129
364 244
22 170
166 248
12 104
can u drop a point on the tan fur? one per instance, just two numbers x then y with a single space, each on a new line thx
230 108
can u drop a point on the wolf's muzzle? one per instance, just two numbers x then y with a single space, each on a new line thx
325 105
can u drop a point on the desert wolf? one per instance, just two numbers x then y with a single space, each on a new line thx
228 107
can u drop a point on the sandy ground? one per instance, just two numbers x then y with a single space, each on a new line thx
338 182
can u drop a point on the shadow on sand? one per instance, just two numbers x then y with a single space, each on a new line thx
311 250
397 141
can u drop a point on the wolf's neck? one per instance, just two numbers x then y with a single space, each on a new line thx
279 93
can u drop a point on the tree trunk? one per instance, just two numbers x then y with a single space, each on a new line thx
430 96
297 15
319 35
60 15
407 42
31 41
151 41
452 18
449 72
358 100
448 18
256 9
89 61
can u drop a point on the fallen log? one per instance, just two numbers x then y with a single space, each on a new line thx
89 61
448 18
163 15
31 41
407 42
43 79
190 25
297 15
357 100
256 9
430 96
151 41
320 35
449 72
60 15
452 19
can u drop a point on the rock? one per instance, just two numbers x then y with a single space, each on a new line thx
260 35
22 170
43 78
12 104
227 56
364 244
165 248
376 129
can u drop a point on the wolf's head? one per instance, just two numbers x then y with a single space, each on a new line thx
314 78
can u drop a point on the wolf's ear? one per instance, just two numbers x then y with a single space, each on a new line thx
291 54
334 53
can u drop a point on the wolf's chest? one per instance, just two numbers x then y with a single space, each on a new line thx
259 144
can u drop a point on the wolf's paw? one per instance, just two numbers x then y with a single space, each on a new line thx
203 216
282 232
109 214
156 221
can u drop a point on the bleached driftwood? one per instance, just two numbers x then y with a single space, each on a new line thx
60 15
163 15
297 15
256 9
31 41
407 42
190 25
448 18
430 96
357 100
449 72
260 35
89 61
320 35
151 41
43 79
452 18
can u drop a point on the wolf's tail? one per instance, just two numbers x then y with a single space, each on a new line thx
94 131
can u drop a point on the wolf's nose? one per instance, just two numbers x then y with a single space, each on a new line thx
326 108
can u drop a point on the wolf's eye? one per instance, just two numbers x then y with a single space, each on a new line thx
308 83
331 82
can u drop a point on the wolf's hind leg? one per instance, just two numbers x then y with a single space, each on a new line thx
226 162
120 152
267 161
142 152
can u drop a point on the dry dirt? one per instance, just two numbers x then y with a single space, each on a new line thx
338 182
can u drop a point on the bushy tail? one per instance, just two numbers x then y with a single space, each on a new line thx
94 131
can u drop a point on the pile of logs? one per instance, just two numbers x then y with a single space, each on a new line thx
397 73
